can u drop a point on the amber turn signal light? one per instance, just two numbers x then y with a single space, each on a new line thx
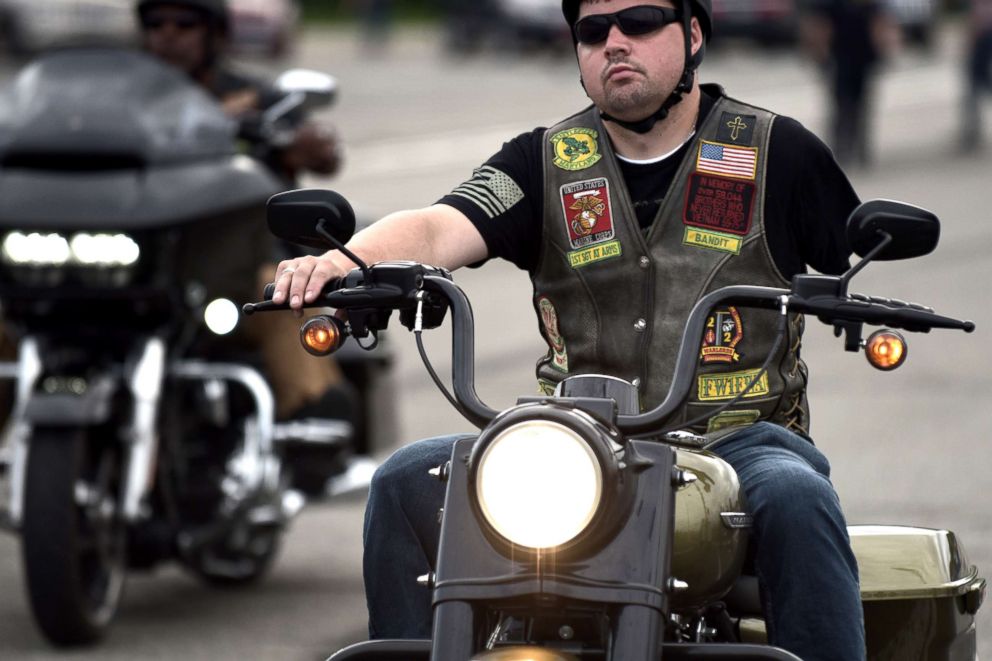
886 350
322 335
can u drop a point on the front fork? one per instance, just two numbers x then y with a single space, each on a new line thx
14 440
254 468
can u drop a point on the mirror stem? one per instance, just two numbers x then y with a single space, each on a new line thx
846 278
366 274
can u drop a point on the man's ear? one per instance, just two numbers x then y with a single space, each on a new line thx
696 38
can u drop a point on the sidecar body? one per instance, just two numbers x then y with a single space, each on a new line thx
920 593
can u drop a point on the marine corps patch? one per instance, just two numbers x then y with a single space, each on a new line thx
719 204
724 331
587 213
549 321
576 149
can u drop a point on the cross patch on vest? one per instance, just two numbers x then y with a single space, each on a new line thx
738 129
719 204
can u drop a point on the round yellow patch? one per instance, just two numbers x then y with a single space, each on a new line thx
576 149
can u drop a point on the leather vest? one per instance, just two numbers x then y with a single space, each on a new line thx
613 299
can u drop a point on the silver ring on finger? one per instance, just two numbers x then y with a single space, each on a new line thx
288 271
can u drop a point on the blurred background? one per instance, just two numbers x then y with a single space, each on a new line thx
428 90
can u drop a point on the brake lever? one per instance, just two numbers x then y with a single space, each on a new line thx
249 309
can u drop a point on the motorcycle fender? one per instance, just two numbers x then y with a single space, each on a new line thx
91 407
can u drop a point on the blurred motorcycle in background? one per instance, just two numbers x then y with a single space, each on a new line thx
142 427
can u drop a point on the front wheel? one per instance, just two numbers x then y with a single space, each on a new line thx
73 534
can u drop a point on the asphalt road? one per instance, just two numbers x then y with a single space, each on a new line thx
909 447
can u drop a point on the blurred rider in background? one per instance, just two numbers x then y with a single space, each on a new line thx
978 74
848 39
191 35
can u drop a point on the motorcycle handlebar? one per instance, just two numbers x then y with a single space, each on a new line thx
829 308
878 312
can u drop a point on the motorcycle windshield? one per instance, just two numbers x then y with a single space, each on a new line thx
109 104
115 139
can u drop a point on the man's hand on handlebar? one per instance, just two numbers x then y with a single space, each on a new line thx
300 280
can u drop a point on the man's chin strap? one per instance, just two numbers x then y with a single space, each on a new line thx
646 124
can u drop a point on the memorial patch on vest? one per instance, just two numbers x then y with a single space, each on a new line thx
587 213
549 320
738 129
722 205
724 331
715 387
576 149
726 160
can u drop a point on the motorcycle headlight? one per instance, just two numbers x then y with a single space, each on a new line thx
104 249
53 249
35 248
540 482
221 316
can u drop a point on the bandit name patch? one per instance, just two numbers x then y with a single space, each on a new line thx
727 243
738 129
714 387
575 149
549 320
724 331
719 204
586 209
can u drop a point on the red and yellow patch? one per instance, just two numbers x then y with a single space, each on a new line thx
587 212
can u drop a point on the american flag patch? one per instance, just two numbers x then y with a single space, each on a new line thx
715 158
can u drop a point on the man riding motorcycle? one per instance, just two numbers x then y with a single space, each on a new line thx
625 215
191 35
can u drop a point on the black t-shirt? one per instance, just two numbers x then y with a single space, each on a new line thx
807 198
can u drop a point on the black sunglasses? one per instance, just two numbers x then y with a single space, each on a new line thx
184 21
631 21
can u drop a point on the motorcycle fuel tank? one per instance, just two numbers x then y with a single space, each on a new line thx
711 529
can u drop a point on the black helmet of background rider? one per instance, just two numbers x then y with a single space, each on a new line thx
218 20
703 11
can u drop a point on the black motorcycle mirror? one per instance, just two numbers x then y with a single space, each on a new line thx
882 230
316 218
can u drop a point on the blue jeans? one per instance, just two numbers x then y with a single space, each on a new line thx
803 556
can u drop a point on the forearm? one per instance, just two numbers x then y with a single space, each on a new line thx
438 235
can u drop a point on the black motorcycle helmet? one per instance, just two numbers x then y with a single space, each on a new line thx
216 11
703 11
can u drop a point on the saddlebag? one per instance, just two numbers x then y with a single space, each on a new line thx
919 591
